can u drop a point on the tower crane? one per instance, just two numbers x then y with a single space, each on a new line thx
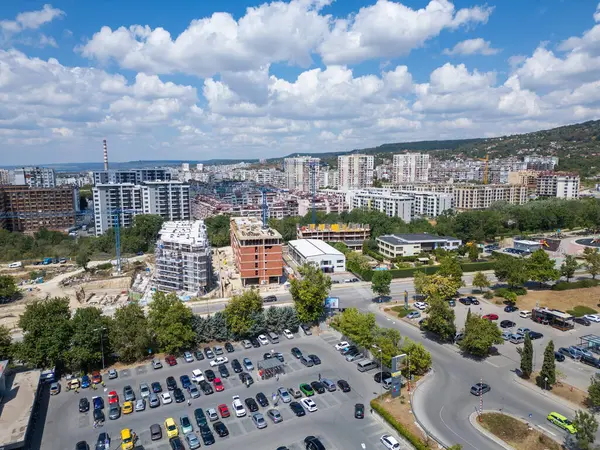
485 168
313 187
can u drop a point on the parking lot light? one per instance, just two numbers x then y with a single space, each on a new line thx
380 369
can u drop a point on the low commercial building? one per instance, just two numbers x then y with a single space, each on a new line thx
257 250
319 253
351 234
527 245
394 245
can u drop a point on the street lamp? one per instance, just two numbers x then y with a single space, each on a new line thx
546 382
380 369
101 329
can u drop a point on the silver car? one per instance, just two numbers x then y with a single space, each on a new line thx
284 395
144 390
274 415
187 356
259 420
140 405
194 391
192 440
212 414
329 384
153 400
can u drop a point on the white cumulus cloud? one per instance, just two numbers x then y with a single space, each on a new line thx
476 46
31 19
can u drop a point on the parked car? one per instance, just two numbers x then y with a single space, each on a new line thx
510 308
307 361
229 347
533 335
288 334
313 443
593 317
223 410
297 409
464 301
220 429
284 395
166 398
199 355
236 366
274 415
359 411
246 378
188 357
238 407
84 404
306 329
309 404
507 324
341 345
171 360
251 404
218 350
262 400
259 420
140 405
343 385
389 442
218 384
413 315
582 321
209 353
223 371
55 388
206 388
307 389
194 391
263 339
420 305
490 317
156 387
318 387
112 374
98 415
210 375
153 400
296 393
219 360
329 384
178 395
296 352
246 344
559 356
506 335
380 376
248 364
155 432
171 383
144 390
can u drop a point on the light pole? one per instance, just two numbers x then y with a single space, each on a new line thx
101 329
546 382
380 370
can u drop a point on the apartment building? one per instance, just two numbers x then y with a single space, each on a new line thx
391 203
183 258
168 199
302 173
429 204
29 209
394 245
355 171
527 178
133 176
410 168
258 251
480 196
40 177
537 162
4 176
351 234
558 184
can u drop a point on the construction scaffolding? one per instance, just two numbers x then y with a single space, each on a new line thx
183 258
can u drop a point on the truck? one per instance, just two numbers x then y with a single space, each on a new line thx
47 261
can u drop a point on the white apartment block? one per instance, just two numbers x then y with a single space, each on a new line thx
429 204
558 184
355 171
480 196
183 258
302 173
411 168
391 203
41 177
4 176
168 199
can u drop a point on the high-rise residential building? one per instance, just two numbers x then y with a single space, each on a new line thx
4 176
481 196
258 251
134 176
536 162
29 209
427 204
355 171
41 177
302 173
411 168
558 184
183 258
168 199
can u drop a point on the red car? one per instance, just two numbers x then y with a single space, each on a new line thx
113 397
96 377
171 360
223 410
218 385
490 317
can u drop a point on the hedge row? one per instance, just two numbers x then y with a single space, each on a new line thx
366 275
414 440
565 285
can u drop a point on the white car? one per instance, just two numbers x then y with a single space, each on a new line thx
263 339
342 345
309 404
218 361
420 305
288 334
389 442
166 398
144 390
593 317
197 376
238 407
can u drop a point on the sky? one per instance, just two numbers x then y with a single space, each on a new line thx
198 80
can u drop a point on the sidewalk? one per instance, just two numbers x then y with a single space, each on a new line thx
555 398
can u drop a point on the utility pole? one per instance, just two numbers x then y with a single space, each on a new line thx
101 329
481 400
380 370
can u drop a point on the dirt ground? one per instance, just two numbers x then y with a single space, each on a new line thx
562 300
566 391
516 433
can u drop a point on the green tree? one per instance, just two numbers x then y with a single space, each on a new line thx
217 228
441 319
418 359
146 227
594 391
591 257
386 343
129 334
8 287
526 357
419 281
47 333
481 281
83 258
240 311
540 267
547 377
380 283
450 267
473 252
441 286
170 322
89 327
356 326
5 343
480 335
586 425
309 292
568 267
511 270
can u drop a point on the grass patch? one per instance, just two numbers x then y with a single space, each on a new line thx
581 310
516 433
401 311
580 284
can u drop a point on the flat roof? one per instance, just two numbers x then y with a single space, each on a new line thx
526 242
252 227
398 239
185 232
17 405
314 247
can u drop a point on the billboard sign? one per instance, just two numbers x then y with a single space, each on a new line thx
397 363
332 303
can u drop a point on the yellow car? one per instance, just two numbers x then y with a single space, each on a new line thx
562 422
171 427
74 383
127 439
127 407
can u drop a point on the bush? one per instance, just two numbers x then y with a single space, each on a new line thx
414 440
581 310
507 293
565 285
477 266
104 266
488 295
401 311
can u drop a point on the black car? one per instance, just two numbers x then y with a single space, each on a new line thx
582 321
296 352
82 445
318 387
84 404
507 324
206 435
99 415
229 348
206 388
220 429
533 335
200 417
171 383
359 411
237 367
223 371
315 359
279 356
349 349
176 444
480 388
297 409
464 301
251 404
209 353
209 375
381 376
559 356
590 360
199 355
474 300
269 299
262 399
178 395
267 356
510 308
103 438
156 387
255 343
246 378
313 443
306 329
344 386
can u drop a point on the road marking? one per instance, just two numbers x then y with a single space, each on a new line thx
454 432
546 430
492 364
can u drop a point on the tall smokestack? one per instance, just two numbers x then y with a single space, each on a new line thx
105 156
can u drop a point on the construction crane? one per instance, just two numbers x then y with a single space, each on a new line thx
486 160
265 205
117 226
313 188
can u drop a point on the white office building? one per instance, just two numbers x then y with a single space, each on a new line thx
355 171
183 258
317 252
558 184
302 173
394 245
411 168
40 177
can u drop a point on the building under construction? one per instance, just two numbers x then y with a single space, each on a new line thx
352 234
183 258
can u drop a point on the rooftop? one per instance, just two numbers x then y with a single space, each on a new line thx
335 227
184 232
16 406
252 227
314 247
399 239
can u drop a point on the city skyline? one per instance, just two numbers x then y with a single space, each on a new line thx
234 82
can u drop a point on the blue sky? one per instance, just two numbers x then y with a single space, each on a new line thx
190 79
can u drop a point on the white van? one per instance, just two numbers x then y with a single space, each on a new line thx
15 265
525 314
367 365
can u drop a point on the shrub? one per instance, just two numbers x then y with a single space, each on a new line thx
414 440
581 310
401 311
565 285
508 293
488 295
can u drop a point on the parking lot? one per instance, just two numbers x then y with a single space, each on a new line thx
333 423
